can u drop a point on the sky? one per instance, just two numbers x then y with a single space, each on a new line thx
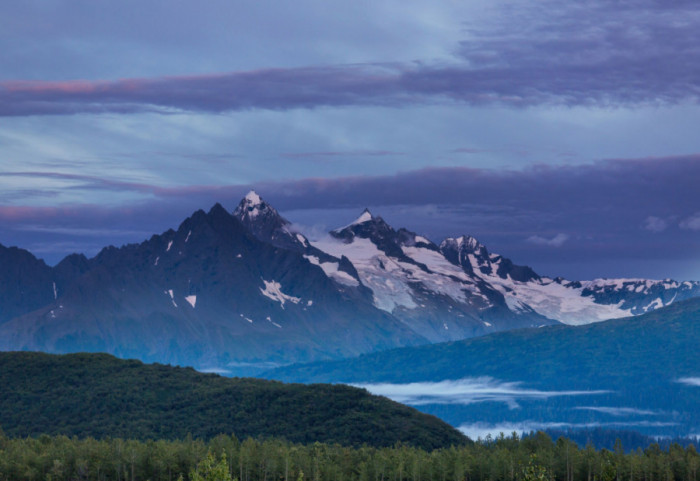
562 135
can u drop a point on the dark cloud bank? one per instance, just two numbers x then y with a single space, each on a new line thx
597 53
611 218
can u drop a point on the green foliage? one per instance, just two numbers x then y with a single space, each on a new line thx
101 396
535 471
209 469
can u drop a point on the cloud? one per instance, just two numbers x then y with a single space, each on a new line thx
692 222
482 430
81 181
689 381
556 241
655 224
465 391
84 231
215 370
618 411
599 53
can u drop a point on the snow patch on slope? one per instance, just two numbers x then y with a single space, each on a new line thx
273 290
380 273
390 279
192 300
555 300
172 296
331 270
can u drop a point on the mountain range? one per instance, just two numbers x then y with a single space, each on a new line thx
239 292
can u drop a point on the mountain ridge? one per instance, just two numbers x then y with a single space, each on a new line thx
241 288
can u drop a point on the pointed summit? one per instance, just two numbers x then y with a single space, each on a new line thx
253 198
366 216
253 206
373 228
364 222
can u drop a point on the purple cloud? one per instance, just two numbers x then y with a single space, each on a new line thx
655 224
556 241
692 222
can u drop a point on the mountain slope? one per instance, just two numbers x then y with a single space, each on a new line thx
605 351
98 395
410 278
570 302
26 283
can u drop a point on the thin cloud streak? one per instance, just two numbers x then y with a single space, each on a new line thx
618 411
466 391
84 181
689 381
84 231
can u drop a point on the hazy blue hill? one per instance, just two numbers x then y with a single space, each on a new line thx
659 343
638 361
101 396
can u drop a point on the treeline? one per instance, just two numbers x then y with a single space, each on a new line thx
533 458
631 440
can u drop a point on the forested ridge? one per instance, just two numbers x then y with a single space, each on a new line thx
98 395
534 458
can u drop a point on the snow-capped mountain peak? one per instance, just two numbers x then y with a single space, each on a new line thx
365 218
252 207
265 223
253 198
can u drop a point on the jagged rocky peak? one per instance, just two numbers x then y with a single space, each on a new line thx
374 229
463 243
456 250
267 225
